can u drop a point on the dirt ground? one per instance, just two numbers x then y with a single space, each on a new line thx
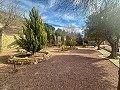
71 70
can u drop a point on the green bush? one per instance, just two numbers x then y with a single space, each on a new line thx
60 44
34 37
65 48
84 45
70 43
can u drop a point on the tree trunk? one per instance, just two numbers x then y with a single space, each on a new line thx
114 50
114 46
98 44
118 44
118 87
0 40
98 47
56 40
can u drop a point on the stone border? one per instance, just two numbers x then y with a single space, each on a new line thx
113 61
37 58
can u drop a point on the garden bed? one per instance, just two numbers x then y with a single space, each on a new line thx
24 58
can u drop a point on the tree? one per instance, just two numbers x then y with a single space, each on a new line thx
82 7
105 24
70 43
34 37
1 2
106 20
50 34
79 39
96 36
58 32
11 11
88 7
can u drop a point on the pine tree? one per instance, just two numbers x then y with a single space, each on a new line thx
34 37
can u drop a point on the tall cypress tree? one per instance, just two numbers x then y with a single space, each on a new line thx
34 37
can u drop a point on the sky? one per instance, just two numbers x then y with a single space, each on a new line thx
58 18
51 16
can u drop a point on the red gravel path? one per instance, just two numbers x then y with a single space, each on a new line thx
74 70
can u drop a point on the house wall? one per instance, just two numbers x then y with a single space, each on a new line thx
7 40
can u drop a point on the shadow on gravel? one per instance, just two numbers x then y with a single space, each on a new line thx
4 59
62 72
86 71
83 51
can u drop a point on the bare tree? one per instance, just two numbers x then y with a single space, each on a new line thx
1 1
9 11
82 7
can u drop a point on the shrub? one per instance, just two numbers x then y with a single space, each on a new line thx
84 45
61 44
34 37
65 48
70 43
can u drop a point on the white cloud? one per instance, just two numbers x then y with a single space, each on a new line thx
44 17
68 17
55 22
41 7
52 3
26 2
76 2
57 19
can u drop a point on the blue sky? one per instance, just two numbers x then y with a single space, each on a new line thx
50 15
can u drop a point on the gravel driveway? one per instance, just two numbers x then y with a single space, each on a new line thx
75 70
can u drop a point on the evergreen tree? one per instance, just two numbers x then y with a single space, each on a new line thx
34 37
50 34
